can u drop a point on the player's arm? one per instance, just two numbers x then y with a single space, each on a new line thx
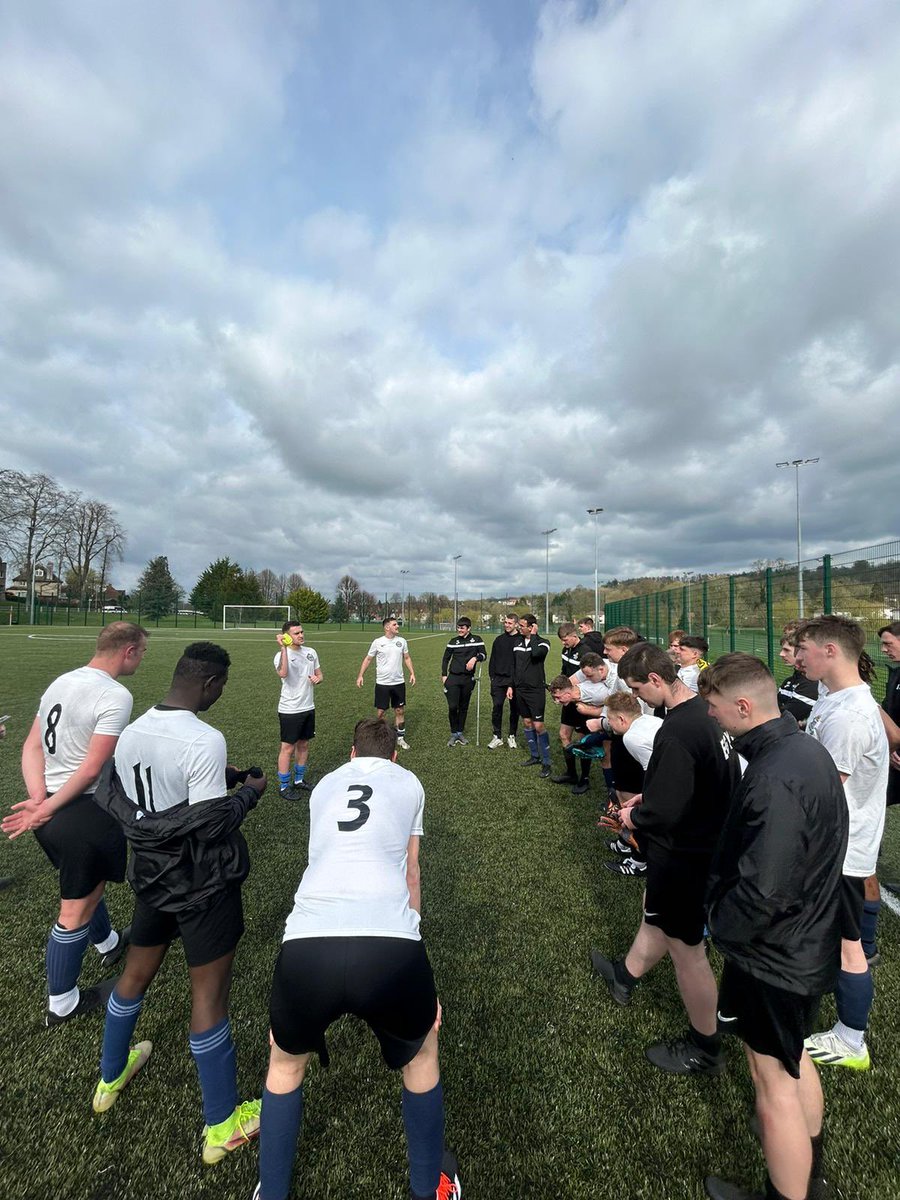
409 667
282 665
539 650
413 874
891 729
317 675
30 813
668 794
33 763
364 666
445 663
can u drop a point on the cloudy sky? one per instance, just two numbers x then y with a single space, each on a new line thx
361 285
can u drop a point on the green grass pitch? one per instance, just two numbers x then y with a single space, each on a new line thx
547 1090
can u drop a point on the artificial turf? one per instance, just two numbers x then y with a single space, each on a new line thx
548 1093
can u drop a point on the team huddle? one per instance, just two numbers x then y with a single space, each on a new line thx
753 814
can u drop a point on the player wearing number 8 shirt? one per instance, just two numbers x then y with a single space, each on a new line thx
352 945
80 716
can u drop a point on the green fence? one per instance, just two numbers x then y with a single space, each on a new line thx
748 611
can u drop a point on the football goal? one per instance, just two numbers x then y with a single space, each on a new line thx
255 616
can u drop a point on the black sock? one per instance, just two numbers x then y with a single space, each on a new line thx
711 1044
570 764
817 1171
623 975
772 1192
585 765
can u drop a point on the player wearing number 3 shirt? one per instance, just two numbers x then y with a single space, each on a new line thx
352 945
80 716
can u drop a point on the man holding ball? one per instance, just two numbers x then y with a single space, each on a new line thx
298 669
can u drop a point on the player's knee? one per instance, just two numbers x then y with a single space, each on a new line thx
286 1071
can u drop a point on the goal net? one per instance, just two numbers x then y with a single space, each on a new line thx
255 616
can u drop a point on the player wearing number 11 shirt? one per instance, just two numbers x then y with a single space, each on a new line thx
352 945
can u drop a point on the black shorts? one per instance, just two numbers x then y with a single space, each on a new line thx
297 727
676 890
853 897
207 932
86 845
531 702
385 981
390 695
768 1019
628 774
569 715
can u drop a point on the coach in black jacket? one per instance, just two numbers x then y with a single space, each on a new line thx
773 912
500 670
462 655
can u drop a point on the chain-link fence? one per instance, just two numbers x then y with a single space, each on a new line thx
748 611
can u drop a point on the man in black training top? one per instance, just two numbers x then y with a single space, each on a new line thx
689 780
797 694
570 719
462 655
530 690
774 914
593 640
889 638
500 669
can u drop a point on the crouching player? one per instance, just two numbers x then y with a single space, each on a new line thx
168 791
774 899
352 945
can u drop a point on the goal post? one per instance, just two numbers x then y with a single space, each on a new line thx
255 616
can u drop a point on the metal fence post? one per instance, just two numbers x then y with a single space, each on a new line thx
732 631
770 622
706 609
826 583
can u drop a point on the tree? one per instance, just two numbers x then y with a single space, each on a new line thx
308 605
93 536
367 606
347 595
224 582
33 517
271 586
339 611
158 591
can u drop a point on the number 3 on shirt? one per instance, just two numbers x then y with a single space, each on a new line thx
363 810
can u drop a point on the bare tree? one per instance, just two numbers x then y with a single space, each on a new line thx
294 581
93 539
33 514
348 593
271 587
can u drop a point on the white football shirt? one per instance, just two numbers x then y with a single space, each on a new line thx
639 738
297 693
848 724
388 654
167 757
72 709
361 818
689 676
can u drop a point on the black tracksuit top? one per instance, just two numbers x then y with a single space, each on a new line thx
457 653
572 656
774 887
528 662
500 665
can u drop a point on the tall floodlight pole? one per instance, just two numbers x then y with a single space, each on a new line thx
456 558
402 591
797 463
595 513
546 533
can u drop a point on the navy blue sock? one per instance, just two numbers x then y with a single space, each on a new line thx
65 951
531 739
214 1054
868 926
543 741
284 780
854 995
423 1120
279 1128
121 1018
100 927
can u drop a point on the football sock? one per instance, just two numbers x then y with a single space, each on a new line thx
570 764
869 925
65 951
623 975
121 1018
772 1192
585 767
214 1054
854 995
817 1171
543 741
531 739
299 772
279 1128
284 780
100 928
608 778
711 1043
423 1120
401 730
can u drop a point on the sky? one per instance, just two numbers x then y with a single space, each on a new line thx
359 287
